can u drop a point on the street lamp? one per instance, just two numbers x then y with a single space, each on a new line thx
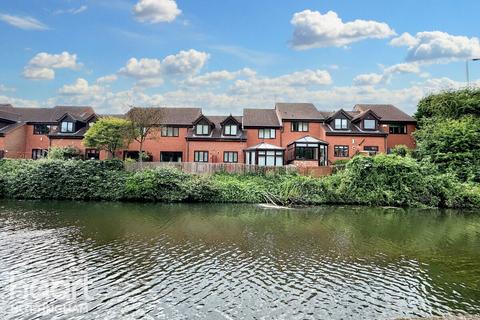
468 72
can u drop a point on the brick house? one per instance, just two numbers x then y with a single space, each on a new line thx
289 133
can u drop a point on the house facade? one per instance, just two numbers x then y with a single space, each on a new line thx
289 133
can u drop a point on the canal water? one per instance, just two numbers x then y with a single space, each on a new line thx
80 260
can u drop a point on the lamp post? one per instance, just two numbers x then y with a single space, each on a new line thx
467 70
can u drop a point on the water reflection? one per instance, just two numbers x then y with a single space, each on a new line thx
235 261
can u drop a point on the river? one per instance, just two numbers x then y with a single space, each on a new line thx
81 260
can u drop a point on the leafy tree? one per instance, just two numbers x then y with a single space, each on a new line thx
145 123
449 104
452 144
109 134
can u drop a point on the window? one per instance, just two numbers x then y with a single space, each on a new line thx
92 154
340 151
41 129
372 150
397 129
202 129
270 158
230 130
369 124
171 157
306 153
169 131
266 133
66 126
341 124
200 156
39 153
299 126
230 156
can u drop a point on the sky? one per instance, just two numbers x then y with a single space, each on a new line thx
227 55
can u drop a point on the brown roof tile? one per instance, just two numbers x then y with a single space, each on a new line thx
260 118
386 112
298 111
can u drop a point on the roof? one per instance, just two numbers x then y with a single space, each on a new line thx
354 130
386 112
217 131
180 116
10 127
298 111
309 139
47 115
264 146
79 134
260 118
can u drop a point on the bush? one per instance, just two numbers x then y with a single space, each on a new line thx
64 153
401 150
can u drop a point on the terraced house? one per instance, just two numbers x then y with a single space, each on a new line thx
289 133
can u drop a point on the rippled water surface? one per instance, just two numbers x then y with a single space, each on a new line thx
113 260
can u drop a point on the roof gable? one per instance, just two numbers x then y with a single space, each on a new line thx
228 120
339 114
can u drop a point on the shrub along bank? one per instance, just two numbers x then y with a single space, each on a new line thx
385 180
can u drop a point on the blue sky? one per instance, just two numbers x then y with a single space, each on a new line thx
228 55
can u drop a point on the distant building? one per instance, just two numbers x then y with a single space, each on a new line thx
290 133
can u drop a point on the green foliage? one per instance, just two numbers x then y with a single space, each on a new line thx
400 150
385 180
452 144
449 104
64 153
109 134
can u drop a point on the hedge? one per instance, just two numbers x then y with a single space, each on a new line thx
383 180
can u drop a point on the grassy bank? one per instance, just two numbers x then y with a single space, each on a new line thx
382 181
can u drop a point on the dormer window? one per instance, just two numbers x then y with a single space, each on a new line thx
230 130
66 126
202 129
369 124
341 124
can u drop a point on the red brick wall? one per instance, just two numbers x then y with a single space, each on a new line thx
354 144
15 144
2 143
253 139
396 139
155 144
33 141
314 130
216 149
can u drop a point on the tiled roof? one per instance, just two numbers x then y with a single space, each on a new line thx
298 111
386 112
353 131
10 127
217 132
180 116
47 115
310 139
78 134
260 118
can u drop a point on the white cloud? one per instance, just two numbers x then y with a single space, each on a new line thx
72 10
151 72
156 11
292 81
80 88
216 77
35 73
185 62
368 79
23 22
313 30
437 46
371 79
107 79
41 67
4 88
143 68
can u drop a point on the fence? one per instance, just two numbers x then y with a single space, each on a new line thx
240 168
209 168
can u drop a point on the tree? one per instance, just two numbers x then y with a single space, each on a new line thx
64 153
109 134
145 122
